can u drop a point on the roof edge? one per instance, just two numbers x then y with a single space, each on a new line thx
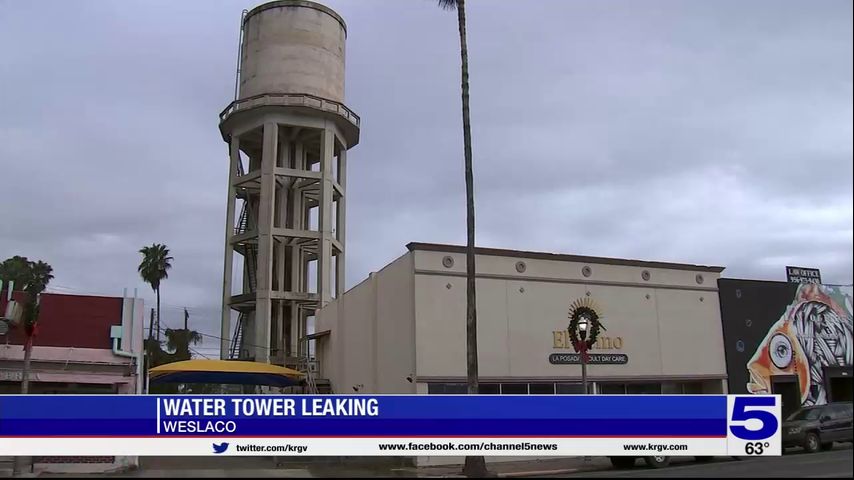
297 3
500 252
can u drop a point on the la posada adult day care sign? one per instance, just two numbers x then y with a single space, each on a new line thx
390 425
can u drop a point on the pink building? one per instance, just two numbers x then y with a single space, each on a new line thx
85 345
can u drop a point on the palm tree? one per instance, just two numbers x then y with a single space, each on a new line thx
179 341
32 278
475 466
153 269
42 274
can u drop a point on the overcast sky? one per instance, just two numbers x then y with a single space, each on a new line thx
709 132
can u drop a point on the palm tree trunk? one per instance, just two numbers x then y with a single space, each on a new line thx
158 314
19 462
474 466
25 374
149 350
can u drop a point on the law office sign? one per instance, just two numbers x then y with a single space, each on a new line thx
803 275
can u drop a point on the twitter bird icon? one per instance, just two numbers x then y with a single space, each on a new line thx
221 448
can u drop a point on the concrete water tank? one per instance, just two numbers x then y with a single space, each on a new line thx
293 46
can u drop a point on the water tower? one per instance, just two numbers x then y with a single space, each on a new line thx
288 132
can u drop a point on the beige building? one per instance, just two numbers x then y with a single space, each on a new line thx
402 330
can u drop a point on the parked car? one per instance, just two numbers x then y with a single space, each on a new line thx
817 427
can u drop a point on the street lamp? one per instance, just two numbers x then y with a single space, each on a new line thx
583 323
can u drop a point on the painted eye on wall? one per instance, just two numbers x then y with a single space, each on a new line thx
780 351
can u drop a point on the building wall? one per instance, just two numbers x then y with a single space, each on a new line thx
395 328
668 326
328 349
67 370
73 320
372 334
778 330
675 332
357 333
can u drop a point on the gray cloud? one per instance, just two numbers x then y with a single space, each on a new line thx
704 132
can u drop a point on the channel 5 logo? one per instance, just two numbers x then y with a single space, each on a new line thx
754 417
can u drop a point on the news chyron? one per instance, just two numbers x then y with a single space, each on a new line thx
391 425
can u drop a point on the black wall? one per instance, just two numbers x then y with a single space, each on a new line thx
748 309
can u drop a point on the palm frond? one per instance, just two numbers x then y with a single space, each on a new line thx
447 4
155 264
180 340
30 276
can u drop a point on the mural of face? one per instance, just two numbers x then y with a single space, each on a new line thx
814 332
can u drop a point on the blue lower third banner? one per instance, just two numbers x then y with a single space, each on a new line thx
390 425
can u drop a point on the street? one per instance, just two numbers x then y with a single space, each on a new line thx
835 463
831 464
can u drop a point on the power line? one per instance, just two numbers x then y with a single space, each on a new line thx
199 353
209 336
245 344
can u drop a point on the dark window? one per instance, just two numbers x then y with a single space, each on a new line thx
489 388
829 411
671 388
570 388
446 388
692 388
542 388
612 388
806 414
514 388
840 410
643 388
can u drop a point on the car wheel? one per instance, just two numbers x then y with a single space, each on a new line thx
657 462
812 443
623 463
827 446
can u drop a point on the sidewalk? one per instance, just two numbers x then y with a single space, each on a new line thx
513 469
525 468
